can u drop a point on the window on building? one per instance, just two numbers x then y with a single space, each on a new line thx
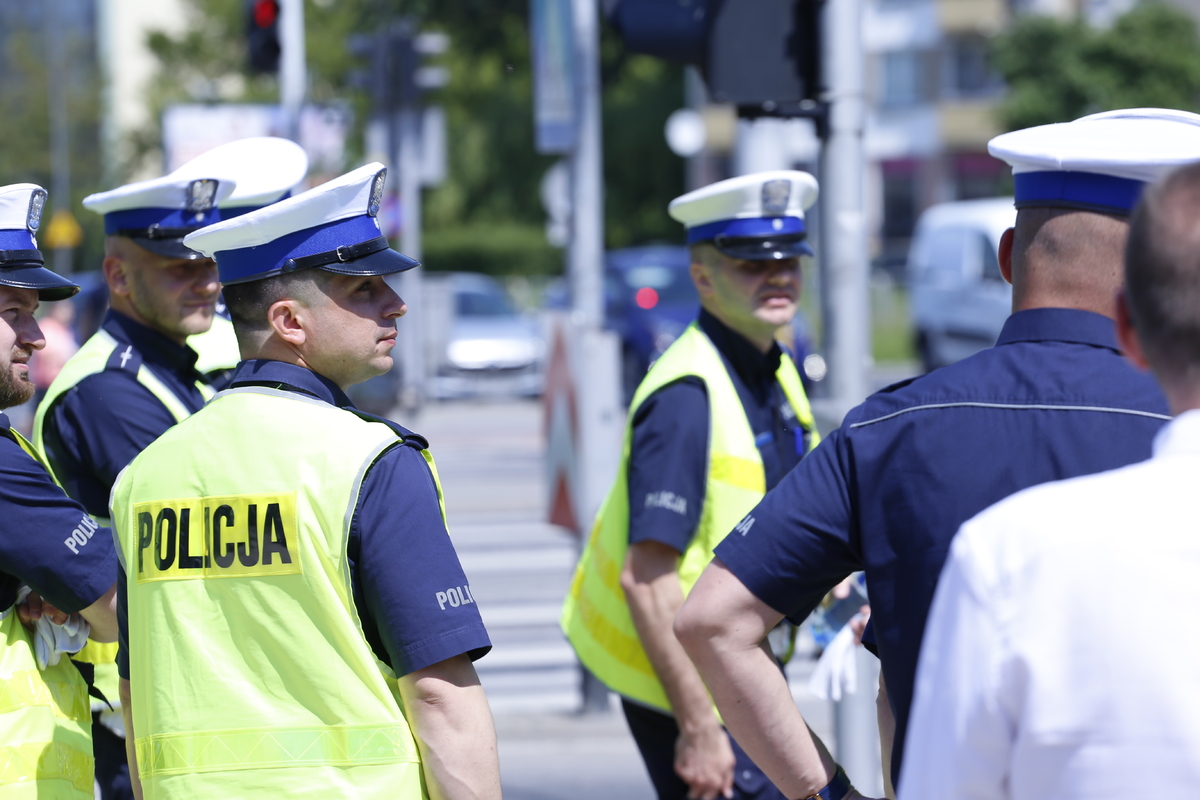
967 68
899 198
901 78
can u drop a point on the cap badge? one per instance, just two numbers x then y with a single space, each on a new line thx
775 196
202 195
376 193
37 202
777 224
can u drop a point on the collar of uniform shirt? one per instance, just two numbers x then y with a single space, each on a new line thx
755 368
1061 325
153 346
263 372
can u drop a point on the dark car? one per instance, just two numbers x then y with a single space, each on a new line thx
649 300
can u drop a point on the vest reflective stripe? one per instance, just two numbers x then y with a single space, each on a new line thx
595 615
269 632
170 754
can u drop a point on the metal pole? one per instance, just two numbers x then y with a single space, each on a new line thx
848 325
586 256
595 361
843 234
60 150
408 160
293 77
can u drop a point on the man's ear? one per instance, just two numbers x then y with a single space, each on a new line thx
116 275
1127 335
701 278
1004 254
287 320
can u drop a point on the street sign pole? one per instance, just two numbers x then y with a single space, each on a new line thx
293 76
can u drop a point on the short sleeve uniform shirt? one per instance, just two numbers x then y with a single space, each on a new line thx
98 426
48 542
887 491
400 553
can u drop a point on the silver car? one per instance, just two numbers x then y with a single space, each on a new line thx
479 344
957 297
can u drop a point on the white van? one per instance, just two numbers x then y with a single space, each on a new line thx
957 298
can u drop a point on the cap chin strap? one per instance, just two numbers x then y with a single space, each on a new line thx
21 256
154 232
338 256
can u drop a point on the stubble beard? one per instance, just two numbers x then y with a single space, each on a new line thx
14 390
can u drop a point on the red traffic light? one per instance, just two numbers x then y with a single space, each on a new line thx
265 13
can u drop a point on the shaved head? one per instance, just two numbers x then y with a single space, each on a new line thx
1067 258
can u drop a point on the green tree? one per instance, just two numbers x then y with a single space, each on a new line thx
487 216
1061 70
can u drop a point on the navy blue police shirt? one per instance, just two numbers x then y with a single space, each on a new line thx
97 427
409 588
51 544
887 491
668 453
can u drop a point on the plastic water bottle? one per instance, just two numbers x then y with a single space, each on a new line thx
834 612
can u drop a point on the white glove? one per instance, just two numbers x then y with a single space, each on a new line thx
836 672
50 641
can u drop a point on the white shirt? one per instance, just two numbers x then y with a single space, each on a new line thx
1061 657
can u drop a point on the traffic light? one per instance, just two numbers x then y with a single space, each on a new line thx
762 56
262 36
394 66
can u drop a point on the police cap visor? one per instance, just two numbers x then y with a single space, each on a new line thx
33 275
753 248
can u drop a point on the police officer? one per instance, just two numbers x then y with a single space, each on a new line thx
887 491
297 620
139 374
720 418
49 544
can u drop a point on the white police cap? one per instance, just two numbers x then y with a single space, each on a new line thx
267 169
21 206
758 216
333 227
158 213
1100 162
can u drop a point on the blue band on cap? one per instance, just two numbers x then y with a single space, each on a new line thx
268 259
753 227
1086 190
17 240
138 218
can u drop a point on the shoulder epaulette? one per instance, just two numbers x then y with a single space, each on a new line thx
125 357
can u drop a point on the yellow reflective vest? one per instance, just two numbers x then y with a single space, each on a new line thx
45 718
91 358
595 616
249 667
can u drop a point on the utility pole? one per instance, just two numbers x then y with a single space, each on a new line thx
293 73
848 320
60 145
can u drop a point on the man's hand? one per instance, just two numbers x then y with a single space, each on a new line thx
705 762
33 608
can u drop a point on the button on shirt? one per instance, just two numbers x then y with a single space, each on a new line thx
886 492
668 454
399 550
1025 689
39 546
97 427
